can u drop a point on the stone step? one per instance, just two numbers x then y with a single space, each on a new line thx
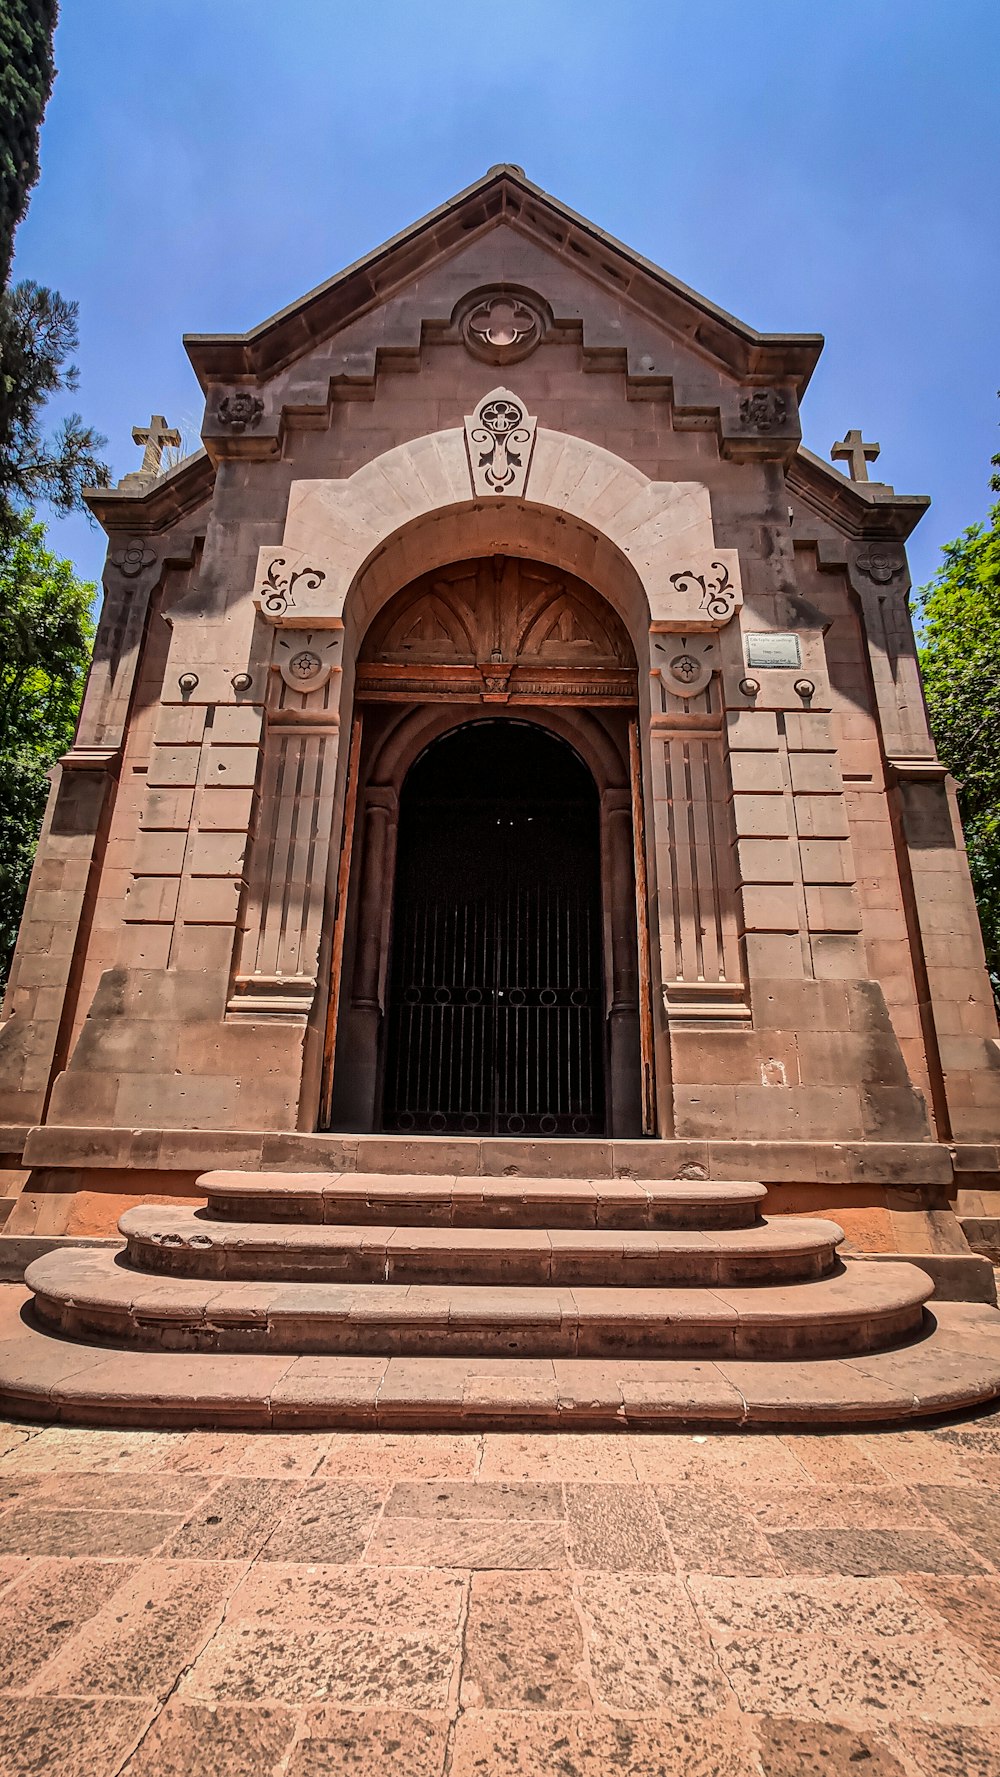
952 1365
186 1242
86 1293
448 1200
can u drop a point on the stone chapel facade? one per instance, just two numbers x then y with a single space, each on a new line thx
503 732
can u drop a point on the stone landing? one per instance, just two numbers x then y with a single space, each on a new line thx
412 1300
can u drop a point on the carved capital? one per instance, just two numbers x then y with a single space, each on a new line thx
685 663
500 437
306 661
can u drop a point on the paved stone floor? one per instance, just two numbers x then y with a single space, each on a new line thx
241 1605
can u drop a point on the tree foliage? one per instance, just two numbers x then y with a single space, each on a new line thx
46 632
27 71
960 658
37 334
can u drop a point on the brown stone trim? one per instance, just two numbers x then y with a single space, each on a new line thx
340 921
646 1050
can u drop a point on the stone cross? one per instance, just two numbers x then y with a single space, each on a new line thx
853 449
154 437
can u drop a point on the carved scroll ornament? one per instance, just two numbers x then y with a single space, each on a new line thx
285 580
703 593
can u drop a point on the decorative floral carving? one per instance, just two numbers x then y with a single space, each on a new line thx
133 557
500 436
880 565
718 595
762 410
502 328
496 680
240 410
685 667
276 592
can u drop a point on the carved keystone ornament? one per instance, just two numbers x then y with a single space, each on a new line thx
500 437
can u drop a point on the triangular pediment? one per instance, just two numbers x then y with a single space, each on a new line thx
504 199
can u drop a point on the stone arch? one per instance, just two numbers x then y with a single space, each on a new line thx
641 542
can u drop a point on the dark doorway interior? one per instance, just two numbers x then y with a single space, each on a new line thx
494 1015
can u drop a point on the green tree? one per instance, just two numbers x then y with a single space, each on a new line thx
27 71
38 327
37 333
46 633
960 658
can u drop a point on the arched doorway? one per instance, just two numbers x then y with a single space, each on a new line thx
539 661
494 1006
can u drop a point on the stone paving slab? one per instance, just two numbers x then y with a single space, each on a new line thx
657 1604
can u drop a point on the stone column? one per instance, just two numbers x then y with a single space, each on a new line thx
957 1010
622 987
40 997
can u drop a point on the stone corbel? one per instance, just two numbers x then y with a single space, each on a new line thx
238 423
760 424
702 593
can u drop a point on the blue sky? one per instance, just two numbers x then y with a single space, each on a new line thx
808 165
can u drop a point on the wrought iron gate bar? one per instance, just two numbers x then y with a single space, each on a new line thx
494 1008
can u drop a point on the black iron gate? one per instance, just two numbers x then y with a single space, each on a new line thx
494 1019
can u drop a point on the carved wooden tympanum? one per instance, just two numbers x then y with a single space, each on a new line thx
501 630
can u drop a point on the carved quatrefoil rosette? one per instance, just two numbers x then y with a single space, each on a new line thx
133 557
880 565
502 328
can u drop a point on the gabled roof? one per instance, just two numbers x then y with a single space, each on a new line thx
505 195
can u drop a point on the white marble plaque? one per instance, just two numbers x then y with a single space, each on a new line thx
773 650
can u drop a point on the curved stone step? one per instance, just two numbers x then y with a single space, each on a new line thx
953 1365
185 1242
83 1292
391 1199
